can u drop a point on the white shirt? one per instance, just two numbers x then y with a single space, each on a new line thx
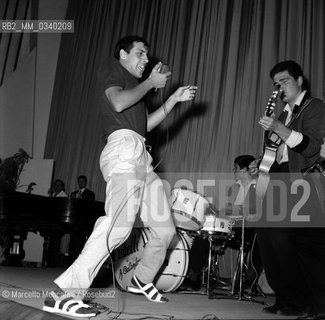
295 137
61 194
80 192
242 192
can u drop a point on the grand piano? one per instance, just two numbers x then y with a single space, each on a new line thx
51 217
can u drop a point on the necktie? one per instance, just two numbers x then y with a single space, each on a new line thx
79 194
295 109
285 117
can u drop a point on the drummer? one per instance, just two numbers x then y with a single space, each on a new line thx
242 192
240 199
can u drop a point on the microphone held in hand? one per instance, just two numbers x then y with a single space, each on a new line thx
164 68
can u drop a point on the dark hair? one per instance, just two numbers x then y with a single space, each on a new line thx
60 182
82 177
244 161
293 69
127 43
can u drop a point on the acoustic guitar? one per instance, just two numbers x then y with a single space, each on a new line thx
270 145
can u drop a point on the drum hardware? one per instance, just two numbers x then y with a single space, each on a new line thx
239 272
213 260
211 238
227 225
218 251
215 228
217 225
239 264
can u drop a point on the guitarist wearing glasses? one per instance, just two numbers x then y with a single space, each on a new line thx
294 257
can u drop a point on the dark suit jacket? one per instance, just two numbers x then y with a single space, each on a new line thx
86 194
309 120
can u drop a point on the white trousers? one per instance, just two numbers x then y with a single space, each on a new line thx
133 191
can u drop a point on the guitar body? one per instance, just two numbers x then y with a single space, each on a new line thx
262 183
264 168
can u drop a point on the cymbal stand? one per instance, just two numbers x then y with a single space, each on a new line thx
240 264
209 267
213 273
208 270
211 238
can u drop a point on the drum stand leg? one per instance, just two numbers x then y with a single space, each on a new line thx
209 267
239 271
239 265
207 271
210 274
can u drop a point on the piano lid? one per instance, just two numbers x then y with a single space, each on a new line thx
19 206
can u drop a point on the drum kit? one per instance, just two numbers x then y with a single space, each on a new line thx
193 218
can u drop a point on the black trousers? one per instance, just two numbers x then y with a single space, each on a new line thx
294 263
294 257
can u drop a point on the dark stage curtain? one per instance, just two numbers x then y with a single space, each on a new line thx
225 47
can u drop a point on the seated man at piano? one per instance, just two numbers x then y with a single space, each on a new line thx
58 189
83 192
241 200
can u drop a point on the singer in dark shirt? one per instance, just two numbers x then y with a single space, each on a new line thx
132 186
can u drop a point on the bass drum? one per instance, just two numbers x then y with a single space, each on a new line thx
173 270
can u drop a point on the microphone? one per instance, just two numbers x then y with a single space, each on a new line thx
164 68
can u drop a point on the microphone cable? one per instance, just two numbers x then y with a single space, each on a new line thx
119 210
162 103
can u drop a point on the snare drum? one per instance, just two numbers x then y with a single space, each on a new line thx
188 209
171 274
215 225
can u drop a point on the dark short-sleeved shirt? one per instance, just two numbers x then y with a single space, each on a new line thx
113 74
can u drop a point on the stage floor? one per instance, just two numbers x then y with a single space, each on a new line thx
28 286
